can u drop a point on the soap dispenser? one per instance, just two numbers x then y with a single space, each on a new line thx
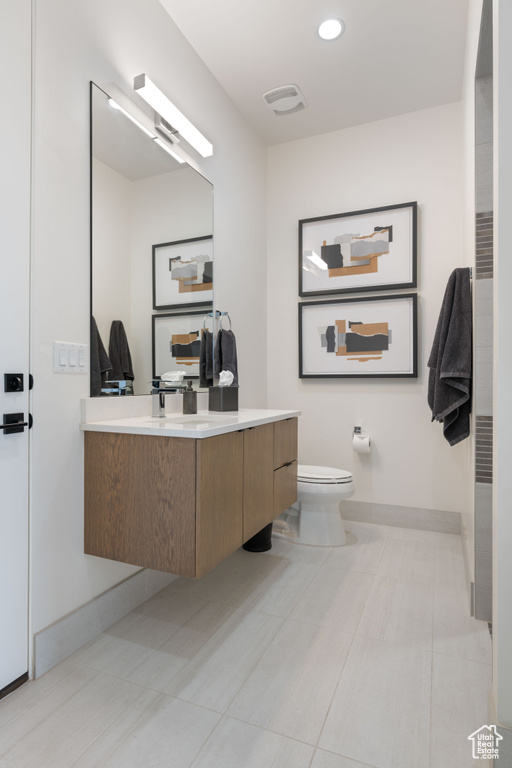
189 399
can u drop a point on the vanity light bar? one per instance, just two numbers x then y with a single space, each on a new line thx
161 104
169 151
143 128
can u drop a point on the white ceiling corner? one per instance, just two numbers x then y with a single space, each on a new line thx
396 56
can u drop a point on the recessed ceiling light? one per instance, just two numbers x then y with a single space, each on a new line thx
331 29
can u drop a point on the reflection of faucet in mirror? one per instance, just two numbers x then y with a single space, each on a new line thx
134 186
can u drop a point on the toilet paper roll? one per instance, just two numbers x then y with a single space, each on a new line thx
362 443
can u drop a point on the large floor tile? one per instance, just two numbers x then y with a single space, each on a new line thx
237 745
335 599
212 620
399 611
211 672
268 584
291 687
456 633
380 714
298 553
367 529
55 732
450 570
362 552
459 707
34 693
411 560
154 731
450 540
323 759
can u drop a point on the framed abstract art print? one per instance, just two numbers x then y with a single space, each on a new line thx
374 336
370 250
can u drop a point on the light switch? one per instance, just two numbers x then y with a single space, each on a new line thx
69 357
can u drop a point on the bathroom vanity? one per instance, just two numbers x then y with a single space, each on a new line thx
180 494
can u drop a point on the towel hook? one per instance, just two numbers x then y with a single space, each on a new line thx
218 315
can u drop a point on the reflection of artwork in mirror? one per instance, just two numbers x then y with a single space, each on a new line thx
370 250
183 273
359 337
176 342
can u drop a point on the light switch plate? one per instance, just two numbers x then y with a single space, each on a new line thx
70 358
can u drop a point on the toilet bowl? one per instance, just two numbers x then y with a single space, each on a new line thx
315 518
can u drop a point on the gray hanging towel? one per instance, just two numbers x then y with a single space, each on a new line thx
100 362
225 355
206 360
119 353
450 361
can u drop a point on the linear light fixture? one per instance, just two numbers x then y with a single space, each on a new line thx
169 151
166 109
134 120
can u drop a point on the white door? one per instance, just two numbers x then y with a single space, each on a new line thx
15 140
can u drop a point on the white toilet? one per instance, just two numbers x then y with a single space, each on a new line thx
315 518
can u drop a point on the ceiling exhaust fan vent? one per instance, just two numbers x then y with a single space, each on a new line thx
285 100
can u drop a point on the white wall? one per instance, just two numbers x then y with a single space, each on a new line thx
172 206
111 248
418 157
113 41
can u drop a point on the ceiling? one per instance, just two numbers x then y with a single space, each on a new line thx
396 56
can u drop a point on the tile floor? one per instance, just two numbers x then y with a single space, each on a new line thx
301 657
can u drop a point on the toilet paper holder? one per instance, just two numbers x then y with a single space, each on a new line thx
357 430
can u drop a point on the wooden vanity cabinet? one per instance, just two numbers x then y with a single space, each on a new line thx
285 464
182 505
258 508
219 495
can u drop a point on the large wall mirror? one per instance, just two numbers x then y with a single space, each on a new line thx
151 251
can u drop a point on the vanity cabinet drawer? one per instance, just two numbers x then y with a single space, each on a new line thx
258 510
285 487
285 442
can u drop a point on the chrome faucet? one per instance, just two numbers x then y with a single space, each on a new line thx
159 403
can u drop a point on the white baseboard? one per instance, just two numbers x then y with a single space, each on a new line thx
58 641
403 517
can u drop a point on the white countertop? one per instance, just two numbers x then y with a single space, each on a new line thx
199 425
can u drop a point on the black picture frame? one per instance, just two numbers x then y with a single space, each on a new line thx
190 286
344 353
367 250
167 325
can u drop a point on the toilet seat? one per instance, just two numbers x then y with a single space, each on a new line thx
322 475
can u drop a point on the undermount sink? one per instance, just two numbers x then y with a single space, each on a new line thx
195 419
199 419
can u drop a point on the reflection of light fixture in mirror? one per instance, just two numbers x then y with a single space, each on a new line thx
143 128
168 149
161 104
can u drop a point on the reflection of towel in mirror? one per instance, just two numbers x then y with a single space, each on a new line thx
206 360
225 354
450 361
100 363
119 353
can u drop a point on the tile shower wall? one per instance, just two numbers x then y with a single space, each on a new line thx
483 330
